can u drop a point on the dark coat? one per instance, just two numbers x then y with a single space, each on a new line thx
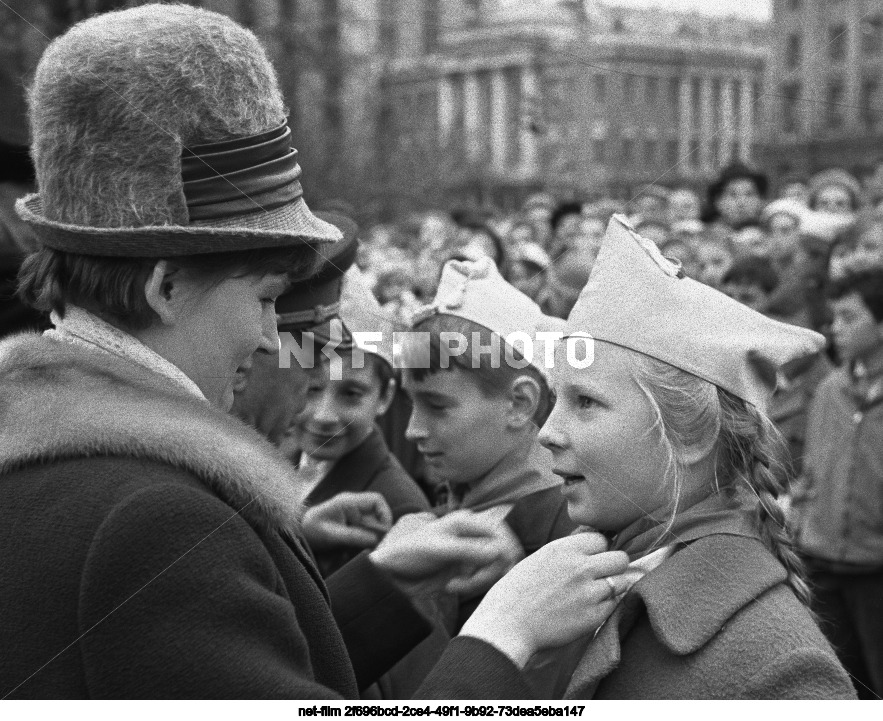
368 467
148 549
715 621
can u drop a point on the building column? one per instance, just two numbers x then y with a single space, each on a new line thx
499 120
472 116
447 113
728 120
706 125
529 101
746 119
685 124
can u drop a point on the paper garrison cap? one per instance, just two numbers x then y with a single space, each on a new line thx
475 291
638 299
360 313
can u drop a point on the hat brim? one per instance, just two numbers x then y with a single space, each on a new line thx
291 225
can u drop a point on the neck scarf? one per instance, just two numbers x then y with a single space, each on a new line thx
518 474
574 672
81 327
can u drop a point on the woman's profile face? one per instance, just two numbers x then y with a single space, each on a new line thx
602 440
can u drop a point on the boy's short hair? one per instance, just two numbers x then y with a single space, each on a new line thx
752 271
867 283
50 279
491 381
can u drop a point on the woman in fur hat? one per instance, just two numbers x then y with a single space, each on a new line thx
664 446
150 543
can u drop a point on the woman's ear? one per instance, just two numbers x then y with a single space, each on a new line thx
161 291
524 399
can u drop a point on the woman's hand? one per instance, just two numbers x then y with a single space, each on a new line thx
565 590
349 519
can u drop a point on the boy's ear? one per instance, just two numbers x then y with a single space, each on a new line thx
386 396
524 399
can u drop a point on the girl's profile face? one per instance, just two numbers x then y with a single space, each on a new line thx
603 442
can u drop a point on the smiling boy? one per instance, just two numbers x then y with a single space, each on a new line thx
334 437
476 415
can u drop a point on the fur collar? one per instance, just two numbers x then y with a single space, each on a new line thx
61 401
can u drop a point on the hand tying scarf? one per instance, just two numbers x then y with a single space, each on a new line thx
574 671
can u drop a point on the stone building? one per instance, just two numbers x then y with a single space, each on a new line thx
827 104
487 100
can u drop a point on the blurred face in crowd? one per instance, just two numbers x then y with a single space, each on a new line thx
651 207
338 415
714 260
869 249
459 430
568 226
683 205
481 243
750 294
521 234
751 241
527 277
592 229
603 442
841 259
833 199
856 334
739 202
796 191
654 231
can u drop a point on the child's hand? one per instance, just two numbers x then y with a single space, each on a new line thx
348 519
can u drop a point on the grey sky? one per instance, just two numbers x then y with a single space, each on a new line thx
759 9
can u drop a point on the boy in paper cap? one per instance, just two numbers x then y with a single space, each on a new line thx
664 445
334 439
478 402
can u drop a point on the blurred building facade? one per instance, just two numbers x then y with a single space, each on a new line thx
504 96
827 62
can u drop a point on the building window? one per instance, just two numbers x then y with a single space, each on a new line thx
650 151
694 160
628 151
872 37
674 96
834 110
600 89
431 20
790 107
671 153
388 32
837 43
792 52
599 151
628 89
652 90
870 113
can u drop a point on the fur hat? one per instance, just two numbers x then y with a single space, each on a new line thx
160 131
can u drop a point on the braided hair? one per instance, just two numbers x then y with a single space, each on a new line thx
749 452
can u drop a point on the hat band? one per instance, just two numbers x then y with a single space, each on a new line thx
241 176
303 319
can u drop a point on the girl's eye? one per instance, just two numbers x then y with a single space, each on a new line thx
585 401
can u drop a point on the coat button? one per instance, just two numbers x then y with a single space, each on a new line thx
857 417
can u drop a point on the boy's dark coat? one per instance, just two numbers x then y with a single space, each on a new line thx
147 550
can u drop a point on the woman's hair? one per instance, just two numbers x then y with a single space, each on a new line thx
114 287
749 451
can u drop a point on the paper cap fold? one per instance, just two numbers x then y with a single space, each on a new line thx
638 299
475 291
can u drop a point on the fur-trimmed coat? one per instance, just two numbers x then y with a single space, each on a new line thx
149 547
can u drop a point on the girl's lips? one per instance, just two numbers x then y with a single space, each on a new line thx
570 479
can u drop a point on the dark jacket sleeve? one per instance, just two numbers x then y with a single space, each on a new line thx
471 669
180 599
378 622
